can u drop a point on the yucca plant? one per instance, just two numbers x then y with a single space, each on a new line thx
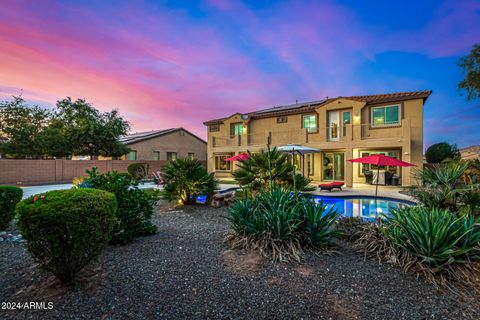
440 185
470 199
280 224
438 238
318 223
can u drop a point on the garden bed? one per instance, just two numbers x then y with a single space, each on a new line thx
186 271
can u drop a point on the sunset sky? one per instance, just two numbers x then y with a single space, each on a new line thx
178 63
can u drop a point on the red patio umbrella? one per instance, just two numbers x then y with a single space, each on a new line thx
238 157
381 160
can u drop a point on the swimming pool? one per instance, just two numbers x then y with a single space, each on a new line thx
352 206
362 207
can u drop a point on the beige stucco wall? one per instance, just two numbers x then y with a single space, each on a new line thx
406 137
172 142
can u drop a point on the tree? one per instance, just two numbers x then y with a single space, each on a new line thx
439 152
20 126
75 127
89 131
471 66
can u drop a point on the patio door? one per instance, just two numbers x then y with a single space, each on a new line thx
334 166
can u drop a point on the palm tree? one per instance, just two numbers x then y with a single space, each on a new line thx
185 179
259 169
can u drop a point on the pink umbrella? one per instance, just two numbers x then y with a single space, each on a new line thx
238 157
381 160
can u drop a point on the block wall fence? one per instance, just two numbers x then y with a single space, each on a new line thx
34 172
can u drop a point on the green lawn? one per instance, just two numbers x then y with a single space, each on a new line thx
227 182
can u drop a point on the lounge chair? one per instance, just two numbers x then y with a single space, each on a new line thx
332 185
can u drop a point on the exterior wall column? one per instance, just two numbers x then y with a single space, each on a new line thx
348 167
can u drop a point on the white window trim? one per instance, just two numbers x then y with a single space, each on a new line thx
372 124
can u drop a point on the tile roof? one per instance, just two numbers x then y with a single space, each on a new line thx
140 136
312 105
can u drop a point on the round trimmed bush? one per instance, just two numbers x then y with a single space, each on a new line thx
138 170
9 197
66 229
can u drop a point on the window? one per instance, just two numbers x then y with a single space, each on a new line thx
310 123
282 119
236 129
221 164
346 118
156 155
191 155
132 155
171 156
386 116
214 128
369 167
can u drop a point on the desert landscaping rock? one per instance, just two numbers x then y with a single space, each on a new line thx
187 271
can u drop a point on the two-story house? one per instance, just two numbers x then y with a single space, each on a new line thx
342 128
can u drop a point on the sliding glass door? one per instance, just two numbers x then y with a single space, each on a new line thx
334 166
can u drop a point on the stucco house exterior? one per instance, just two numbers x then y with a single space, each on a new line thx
167 144
470 153
342 128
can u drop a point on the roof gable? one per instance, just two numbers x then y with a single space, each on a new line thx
142 136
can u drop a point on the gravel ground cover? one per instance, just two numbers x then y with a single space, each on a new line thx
186 271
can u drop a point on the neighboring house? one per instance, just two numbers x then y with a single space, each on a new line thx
342 128
168 144
470 153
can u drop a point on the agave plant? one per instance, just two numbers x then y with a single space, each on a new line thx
185 179
438 238
268 167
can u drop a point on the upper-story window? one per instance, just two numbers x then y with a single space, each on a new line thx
386 116
309 122
282 119
132 155
236 129
156 155
214 128
172 156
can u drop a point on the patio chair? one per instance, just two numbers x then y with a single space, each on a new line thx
332 185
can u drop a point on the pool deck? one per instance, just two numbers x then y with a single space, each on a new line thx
360 189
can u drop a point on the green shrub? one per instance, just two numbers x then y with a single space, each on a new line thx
9 197
66 229
281 224
138 170
439 152
135 207
185 179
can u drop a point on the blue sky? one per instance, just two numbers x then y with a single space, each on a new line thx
179 63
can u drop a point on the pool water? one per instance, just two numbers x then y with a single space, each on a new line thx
363 207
